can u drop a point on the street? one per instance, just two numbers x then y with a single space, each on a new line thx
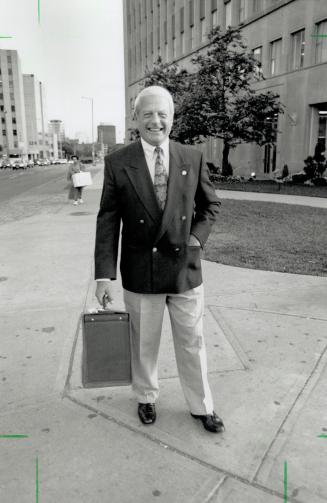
27 192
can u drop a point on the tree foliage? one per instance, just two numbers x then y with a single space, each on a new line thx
217 98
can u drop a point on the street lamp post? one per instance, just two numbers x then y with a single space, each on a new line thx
91 101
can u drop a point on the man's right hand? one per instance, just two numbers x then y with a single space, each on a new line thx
104 288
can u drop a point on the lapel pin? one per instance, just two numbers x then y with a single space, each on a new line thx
184 172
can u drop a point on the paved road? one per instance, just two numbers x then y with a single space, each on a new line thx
15 183
39 189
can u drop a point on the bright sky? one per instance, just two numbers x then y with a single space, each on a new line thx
76 50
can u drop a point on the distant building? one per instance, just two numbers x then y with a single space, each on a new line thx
57 133
289 39
37 136
106 137
13 134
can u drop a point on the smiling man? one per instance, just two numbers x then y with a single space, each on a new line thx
161 194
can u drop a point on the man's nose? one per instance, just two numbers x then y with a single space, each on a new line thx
155 119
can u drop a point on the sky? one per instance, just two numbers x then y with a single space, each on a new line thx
75 48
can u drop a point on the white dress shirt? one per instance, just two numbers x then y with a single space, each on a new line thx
151 155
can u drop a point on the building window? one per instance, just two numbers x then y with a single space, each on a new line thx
3 120
182 43
214 13
228 13
321 41
297 50
202 9
151 42
4 132
12 97
192 35
191 12
257 6
241 12
182 30
203 34
14 132
275 57
166 52
15 144
174 48
13 108
2 108
1 96
257 53
9 71
9 58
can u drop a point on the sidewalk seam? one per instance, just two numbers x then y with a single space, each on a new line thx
305 391
171 448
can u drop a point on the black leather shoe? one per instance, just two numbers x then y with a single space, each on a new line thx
211 422
147 413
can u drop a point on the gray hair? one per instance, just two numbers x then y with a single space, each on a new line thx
154 91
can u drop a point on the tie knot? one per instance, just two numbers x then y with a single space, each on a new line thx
158 150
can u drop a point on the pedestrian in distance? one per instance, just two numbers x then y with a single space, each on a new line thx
160 192
75 193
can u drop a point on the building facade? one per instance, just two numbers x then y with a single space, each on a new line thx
289 39
56 132
106 137
39 142
13 134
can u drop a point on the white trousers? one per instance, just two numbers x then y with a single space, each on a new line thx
186 318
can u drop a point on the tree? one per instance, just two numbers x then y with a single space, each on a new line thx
216 99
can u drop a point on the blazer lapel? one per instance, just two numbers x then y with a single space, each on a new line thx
138 173
177 170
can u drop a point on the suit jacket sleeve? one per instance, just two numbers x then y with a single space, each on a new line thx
206 206
108 226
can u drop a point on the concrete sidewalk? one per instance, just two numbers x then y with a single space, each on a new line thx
266 337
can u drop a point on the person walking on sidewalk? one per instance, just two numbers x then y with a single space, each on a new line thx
75 193
160 191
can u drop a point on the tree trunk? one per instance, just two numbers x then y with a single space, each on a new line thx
226 167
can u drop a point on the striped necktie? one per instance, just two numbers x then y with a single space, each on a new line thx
160 178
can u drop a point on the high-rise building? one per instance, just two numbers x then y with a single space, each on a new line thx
289 39
13 135
57 134
107 134
37 137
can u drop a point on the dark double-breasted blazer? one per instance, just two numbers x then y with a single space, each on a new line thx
155 256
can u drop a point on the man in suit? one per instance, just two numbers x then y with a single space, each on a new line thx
160 191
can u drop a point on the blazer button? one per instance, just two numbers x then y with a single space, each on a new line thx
183 217
141 221
154 249
177 249
184 172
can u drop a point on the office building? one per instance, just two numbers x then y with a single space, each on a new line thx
13 135
37 136
56 131
106 137
288 37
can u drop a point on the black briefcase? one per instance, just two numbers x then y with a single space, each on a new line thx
106 349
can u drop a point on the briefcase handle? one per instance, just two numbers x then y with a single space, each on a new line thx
105 300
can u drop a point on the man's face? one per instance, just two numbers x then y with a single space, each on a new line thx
154 119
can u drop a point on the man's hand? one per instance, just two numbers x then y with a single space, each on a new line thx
193 241
104 288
